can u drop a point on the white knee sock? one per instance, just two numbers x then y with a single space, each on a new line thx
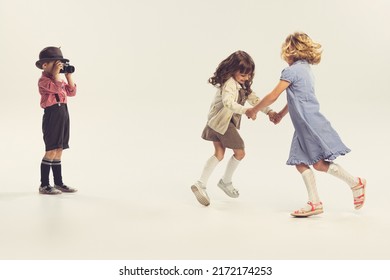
209 167
339 172
310 182
230 168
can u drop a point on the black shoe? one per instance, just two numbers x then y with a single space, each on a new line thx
48 190
65 188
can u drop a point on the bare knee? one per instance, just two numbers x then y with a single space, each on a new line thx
239 154
321 166
219 150
50 154
53 154
219 155
58 154
302 168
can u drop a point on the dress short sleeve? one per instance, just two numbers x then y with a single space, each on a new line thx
288 74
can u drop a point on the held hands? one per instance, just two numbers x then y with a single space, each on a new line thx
275 117
272 115
251 113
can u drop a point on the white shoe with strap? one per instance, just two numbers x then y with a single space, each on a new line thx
228 189
200 193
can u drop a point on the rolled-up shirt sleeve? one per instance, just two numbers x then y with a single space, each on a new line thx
48 86
70 91
53 92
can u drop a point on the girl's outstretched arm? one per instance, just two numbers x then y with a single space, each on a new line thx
268 99
284 111
279 116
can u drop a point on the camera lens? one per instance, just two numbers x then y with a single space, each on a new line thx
67 69
70 69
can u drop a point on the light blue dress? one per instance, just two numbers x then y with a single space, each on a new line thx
314 138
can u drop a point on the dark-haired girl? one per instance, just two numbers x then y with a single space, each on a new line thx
233 78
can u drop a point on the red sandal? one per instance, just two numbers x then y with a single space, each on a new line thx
359 200
315 209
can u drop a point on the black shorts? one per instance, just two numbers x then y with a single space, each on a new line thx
55 127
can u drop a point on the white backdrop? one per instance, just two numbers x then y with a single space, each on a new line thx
142 101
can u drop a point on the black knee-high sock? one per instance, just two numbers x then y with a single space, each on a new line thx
57 173
45 171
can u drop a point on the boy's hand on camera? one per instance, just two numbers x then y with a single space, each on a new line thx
57 67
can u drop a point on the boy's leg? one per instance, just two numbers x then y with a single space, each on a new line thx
46 163
45 167
57 173
45 171
56 167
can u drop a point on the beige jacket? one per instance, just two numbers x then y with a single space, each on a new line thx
225 105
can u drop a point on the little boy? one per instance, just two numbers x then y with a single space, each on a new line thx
55 123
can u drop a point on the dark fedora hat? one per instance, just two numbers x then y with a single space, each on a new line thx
50 54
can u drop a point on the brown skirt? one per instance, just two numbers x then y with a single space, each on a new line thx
231 139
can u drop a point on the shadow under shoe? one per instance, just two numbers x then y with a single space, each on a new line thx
64 188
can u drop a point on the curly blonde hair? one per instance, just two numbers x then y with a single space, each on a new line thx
299 46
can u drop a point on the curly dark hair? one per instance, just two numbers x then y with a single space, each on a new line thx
237 61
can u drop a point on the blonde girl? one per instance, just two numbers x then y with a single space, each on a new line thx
233 78
315 143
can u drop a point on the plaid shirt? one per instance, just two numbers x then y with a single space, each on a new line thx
49 89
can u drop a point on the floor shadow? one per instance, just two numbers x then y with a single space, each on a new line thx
16 195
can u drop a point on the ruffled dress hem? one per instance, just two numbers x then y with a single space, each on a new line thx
328 156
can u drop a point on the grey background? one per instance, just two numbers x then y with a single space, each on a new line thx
143 97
